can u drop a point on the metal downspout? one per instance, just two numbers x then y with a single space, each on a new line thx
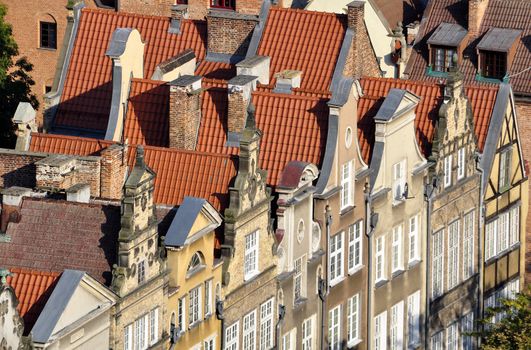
481 215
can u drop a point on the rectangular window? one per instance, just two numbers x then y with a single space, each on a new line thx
503 232
399 180
225 4
452 337
48 35
448 171
334 328
128 337
461 163
346 185
414 253
413 318
210 344
514 235
195 305
266 325
208 298
141 271
490 239
297 280
468 245
437 341
154 326
336 258
353 322
251 255
438 261
494 64
397 251
140 333
380 331
355 246
231 336
307 334
249 331
505 169
467 326
380 259
397 326
289 341
181 321
453 254
442 58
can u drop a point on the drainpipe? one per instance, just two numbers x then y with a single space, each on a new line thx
370 224
324 285
429 190
281 314
221 317
481 216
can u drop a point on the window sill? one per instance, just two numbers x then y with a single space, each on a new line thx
434 73
337 281
250 276
195 271
47 49
397 273
346 210
412 263
208 316
501 254
380 282
299 302
397 203
353 343
355 270
194 325
413 346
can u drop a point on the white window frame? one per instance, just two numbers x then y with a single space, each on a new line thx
397 326
437 341
452 336
249 331
353 320
208 298
194 308
210 343
140 333
128 337
468 245
505 169
299 266
141 273
453 254
413 318
307 333
154 326
414 251
399 181
380 260
461 163
380 331
438 264
491 230
514 231
467 326
397 251
266 324
336 258
232 336
347 196
289 340
181 314
334 328
251 255
355 247
448 171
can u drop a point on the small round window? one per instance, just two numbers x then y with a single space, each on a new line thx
348 137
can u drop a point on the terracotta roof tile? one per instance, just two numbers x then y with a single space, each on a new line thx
512 14
86 98
32 288
216 70
304 40
375 90
179 173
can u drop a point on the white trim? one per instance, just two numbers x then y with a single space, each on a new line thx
251 255
232 340
379 259
453 254
337 268
461 163
249 331
397 326
397 251
380 331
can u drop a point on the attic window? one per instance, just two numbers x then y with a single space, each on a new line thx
493 64
442 58
496 51
444 43
223 4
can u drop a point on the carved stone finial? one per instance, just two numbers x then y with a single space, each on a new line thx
140 157
4 274
251 121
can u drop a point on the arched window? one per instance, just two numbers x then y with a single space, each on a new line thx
47 32
196 263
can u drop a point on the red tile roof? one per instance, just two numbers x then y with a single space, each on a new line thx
33 289
54 235
304 40
482 101
513 14
179 173
216 70
86 98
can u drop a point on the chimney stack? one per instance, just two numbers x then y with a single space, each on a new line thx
24 118
11 200
240 89
113 169
79 193
257 66
185 111
288 80
476 11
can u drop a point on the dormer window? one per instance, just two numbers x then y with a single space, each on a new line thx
496 51
444 44
224 4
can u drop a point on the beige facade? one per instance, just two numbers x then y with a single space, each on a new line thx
11 323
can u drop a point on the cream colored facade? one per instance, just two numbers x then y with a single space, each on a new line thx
193 269
11 324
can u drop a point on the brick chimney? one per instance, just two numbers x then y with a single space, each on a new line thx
355 14
11 200
185 111
239 88
476 11
113 169
230 33
24 118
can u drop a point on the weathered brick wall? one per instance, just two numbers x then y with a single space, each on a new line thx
229 35
185 115
18 168
198 9
113 168
251 7
236 112
147 7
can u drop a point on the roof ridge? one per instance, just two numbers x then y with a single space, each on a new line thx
404 81
64 201
138 15
25 270
298 97
148 80
309 12
70 137
176 150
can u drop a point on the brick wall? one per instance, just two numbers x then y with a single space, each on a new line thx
147 7
476 11
251 7
113 169
18 168
229 33
237 112
185 115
